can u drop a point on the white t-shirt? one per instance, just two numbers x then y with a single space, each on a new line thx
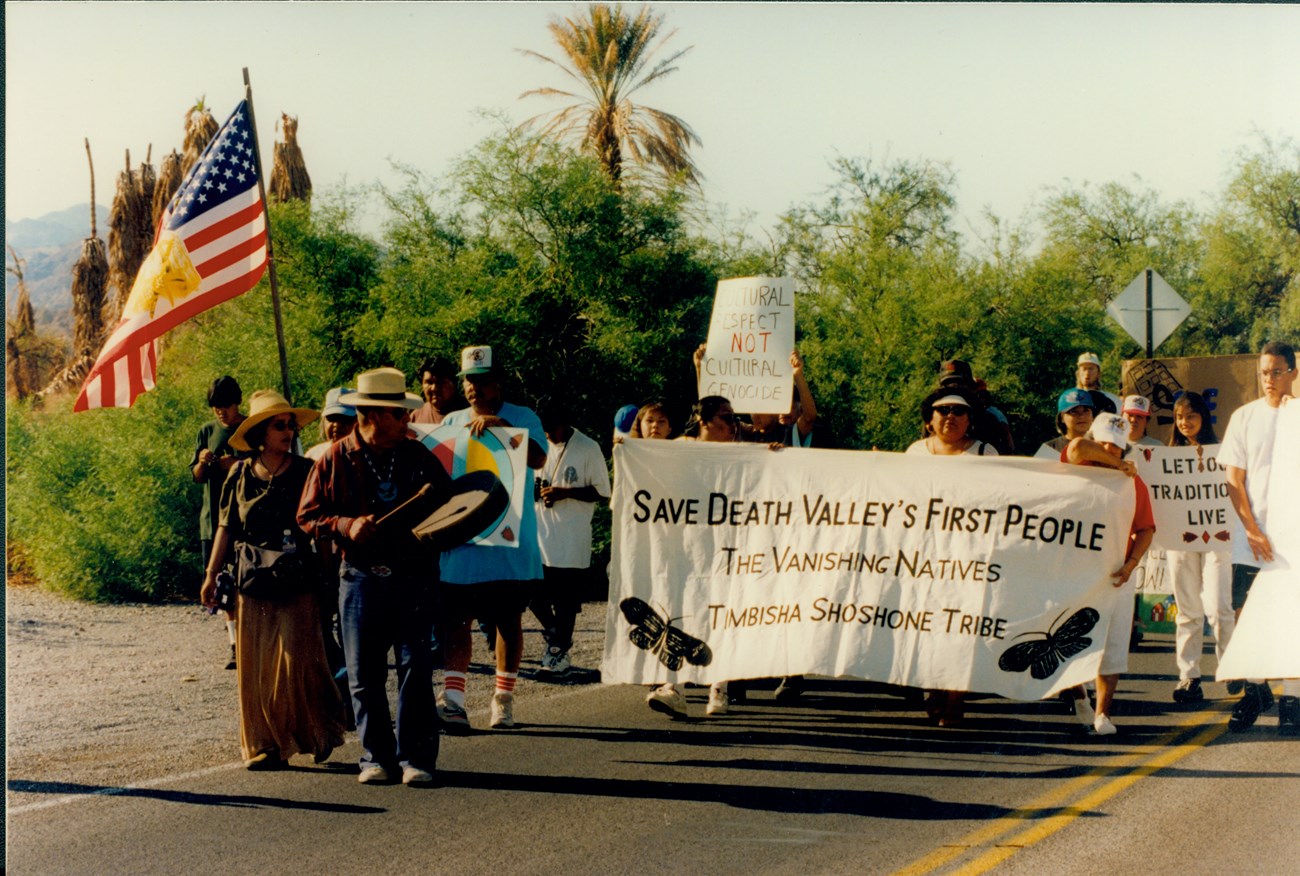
1248 445
973 450
564 529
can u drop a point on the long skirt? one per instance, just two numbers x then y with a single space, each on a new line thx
288 702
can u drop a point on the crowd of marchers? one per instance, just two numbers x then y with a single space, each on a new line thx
318 584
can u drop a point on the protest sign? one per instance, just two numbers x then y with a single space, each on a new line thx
981 574
1226 382
500 450
751 336
1189 497
1264 644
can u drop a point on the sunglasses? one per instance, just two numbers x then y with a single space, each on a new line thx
284 425
952 411
1276 373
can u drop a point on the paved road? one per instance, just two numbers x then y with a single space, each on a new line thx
851 779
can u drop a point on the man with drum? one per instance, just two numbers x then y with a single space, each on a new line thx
387 578
488 582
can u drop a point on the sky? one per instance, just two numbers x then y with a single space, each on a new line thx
1016 99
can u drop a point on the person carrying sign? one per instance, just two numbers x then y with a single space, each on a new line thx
1246 457
489 582
1201 579
1105 446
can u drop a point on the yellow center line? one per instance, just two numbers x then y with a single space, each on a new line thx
1142 761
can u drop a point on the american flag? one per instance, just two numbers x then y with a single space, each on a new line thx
210 247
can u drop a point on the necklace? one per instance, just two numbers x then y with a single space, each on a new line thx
387 491
271 475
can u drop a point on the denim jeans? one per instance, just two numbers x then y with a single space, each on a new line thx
376 614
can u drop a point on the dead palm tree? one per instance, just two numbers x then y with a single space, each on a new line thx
200 128
130 234
610 55
289 178
169 180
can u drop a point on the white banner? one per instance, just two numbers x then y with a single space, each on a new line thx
1189 497
751 336
1264 644
962 573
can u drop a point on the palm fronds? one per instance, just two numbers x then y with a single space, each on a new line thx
169 180
610 55
200 128
130 235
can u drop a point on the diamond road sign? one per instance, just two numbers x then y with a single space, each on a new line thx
1168 309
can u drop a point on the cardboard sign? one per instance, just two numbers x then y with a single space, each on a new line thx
751 336
1227 382
1189 497
964 573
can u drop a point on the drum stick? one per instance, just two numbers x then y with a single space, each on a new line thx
423 492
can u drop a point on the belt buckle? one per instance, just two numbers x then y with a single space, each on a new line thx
381 571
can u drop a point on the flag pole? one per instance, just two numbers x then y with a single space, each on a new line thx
270 253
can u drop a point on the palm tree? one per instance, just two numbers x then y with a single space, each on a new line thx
607 53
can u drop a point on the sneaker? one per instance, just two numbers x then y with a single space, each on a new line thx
789 690
1084 712
455 721
666 698
1247 710
373 774
560 662
230 664
1265 696
1189 691
503 717
413 775
1288 716
1102 726
719 703
1236 686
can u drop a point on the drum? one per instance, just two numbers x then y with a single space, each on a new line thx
478 500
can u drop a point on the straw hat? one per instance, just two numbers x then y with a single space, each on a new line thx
265 404
381 388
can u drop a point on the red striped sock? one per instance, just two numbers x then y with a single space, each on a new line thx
506 681
453 684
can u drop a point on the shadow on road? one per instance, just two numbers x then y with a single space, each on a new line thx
192 798
879 804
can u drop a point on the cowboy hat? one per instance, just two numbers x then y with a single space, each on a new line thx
381 388
265 404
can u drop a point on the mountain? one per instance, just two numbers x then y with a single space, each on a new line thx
50 245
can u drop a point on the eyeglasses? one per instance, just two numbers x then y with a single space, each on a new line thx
952 411
1275 373
284 425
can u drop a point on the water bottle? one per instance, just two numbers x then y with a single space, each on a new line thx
288 545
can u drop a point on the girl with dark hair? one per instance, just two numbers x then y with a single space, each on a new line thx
1202 580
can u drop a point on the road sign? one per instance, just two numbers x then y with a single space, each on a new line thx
1149 310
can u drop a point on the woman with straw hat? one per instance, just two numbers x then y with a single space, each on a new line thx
288 702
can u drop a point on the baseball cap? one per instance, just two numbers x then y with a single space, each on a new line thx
1111 429
475 360
1089 359
1137 404
334 408
1073 398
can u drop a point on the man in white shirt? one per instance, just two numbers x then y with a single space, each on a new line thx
570 483
1246 457
1087 374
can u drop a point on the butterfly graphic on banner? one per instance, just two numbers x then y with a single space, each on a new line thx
1043 657
654 632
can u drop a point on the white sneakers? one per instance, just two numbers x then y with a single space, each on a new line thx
503 717
1102 726
373 774
719 704
413 775
667 699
